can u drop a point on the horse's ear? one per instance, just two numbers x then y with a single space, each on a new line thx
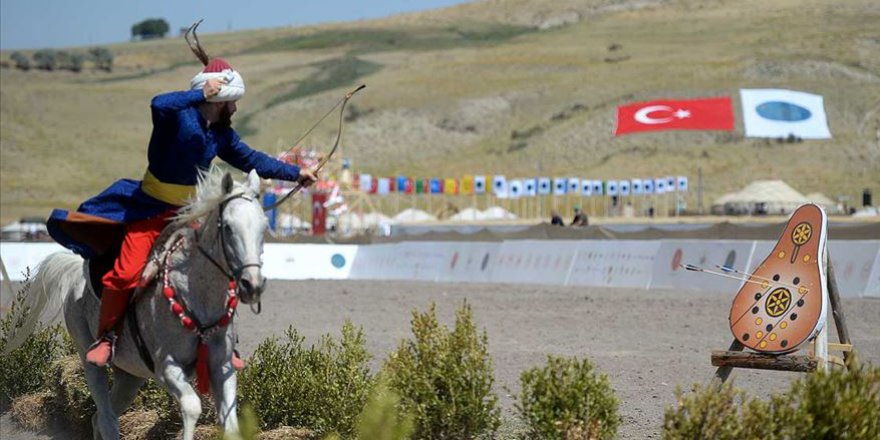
253 181
227 183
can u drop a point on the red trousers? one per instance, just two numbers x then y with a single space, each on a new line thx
120 282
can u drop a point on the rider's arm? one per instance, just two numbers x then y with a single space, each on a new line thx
168 103
243 157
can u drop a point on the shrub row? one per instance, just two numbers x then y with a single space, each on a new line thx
825 405
50 59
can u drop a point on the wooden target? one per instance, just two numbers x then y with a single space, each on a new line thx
783 302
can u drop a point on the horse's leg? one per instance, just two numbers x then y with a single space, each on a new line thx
125 389
174 379
223 385
105 424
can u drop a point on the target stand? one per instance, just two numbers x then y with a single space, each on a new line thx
817 357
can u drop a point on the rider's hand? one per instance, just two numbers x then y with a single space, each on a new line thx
212 87
307 177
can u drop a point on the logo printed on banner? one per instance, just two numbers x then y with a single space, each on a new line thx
480 184
779 113
338 261
544 186
683 114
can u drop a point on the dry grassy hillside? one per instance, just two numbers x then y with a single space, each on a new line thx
497 86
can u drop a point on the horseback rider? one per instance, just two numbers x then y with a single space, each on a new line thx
190 129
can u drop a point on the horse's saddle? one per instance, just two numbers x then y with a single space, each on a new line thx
100 265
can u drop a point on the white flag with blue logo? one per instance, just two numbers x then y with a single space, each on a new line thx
586 187
530 187
682 183
516 188
544 186
597 187
479 184
623 186
499 186
611 188
779 113
648 186
574 185
559 186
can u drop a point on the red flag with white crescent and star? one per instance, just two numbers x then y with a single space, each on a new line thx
675 114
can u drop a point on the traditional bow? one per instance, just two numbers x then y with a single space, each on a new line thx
325 159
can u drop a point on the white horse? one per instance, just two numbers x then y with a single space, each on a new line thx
215 240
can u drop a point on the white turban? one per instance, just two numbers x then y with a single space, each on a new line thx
232 90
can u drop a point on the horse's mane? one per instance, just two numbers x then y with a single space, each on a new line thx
209 194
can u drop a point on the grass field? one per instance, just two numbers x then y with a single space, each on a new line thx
479 88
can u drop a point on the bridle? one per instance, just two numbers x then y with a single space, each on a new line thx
231 273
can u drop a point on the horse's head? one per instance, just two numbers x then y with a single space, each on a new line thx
242 226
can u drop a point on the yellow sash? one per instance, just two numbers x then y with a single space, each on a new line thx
167 192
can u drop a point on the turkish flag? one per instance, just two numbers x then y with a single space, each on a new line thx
679 114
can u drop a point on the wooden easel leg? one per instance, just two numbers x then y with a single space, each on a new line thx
722 373
839 318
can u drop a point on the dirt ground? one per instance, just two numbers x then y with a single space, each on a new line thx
648 342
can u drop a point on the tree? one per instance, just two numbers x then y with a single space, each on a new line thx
45 59
150 28
102 57
21 60
76 62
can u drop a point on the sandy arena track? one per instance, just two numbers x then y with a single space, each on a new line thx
646 341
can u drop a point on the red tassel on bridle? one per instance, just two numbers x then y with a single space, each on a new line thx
203 372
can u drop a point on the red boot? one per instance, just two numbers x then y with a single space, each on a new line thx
113 304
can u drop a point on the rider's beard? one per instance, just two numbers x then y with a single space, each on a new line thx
224 119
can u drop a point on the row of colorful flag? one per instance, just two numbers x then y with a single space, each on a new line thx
774 113
501 186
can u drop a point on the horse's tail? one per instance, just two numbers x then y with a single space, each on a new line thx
56 276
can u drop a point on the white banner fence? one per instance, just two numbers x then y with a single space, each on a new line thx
645 264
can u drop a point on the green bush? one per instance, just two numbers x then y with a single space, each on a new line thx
381 419
445 378
25 369
21 61
322 388
566 400
835 404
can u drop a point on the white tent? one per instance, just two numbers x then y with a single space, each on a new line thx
773 197
413 215
830 206
498 213
468 214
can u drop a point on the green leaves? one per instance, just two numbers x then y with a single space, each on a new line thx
567 399
322 387
445 378
834 404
